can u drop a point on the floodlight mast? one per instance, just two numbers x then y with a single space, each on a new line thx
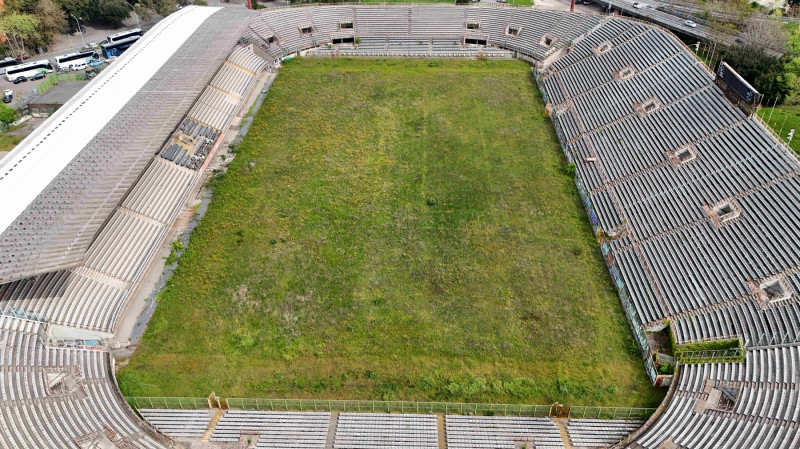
138 25
77 20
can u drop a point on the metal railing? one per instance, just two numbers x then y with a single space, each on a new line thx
790 337
332 405
59 77
782 143
709 339
24 314
390 3
711 356
412 54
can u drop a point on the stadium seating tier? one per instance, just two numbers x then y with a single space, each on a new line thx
695 202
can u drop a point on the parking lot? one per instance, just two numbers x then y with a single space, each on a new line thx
64 44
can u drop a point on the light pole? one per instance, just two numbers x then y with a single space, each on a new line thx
79 28
135 15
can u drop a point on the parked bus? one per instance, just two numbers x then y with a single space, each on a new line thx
117 48
29 69
6 63
124 35
65 62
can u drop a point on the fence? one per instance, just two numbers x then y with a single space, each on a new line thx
455 408
773 339
56 78
24 314
711 356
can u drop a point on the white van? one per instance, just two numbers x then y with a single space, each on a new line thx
78 66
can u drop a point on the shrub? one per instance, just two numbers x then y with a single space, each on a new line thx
666 368
177 247
7 114
715 345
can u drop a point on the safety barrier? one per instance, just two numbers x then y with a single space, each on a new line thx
332 405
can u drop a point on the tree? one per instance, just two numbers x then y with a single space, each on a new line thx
160 7
792 68
114 11
85 9
766 73
50 17
144 13
7 114
18 28
765 32
52 21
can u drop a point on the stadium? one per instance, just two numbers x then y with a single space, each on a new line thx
690 197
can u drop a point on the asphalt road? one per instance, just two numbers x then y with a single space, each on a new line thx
69 43
648 12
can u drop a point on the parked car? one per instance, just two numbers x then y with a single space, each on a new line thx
79 66
110 59
690 24
637 5
8 96
20 79
95 63
38 76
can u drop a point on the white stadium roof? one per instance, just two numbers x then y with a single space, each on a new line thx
60 185
38 159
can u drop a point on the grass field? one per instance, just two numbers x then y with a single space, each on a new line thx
783 119
8 142
394 229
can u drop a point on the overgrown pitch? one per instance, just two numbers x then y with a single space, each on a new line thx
395 229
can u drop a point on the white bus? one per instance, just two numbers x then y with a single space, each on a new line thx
83 57
29 69
6 63
123 35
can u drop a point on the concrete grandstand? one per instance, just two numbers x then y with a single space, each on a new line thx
694 200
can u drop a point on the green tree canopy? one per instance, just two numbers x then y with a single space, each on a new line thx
160 7
7 114
18 29
51 19
114 11
766 73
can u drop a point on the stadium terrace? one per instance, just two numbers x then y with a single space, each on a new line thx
693 200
